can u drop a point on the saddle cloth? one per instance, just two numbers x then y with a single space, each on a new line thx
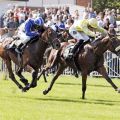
6 42
67 51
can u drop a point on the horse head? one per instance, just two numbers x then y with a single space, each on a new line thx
64 35
50 37
114 44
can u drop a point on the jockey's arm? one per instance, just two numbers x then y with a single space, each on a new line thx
102 31
87 31
29 32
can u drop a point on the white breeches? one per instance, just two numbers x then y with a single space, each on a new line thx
23 38
78 35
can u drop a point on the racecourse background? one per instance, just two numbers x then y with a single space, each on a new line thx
13 15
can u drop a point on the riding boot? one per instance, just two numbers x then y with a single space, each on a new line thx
78 45
19 48
71 56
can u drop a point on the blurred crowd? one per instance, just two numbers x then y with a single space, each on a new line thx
60 16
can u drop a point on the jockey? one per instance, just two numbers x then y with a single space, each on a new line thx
39 22
83 31
27 31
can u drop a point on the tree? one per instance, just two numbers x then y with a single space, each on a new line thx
100 5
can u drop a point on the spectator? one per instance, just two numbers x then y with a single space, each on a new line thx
85 14
11 25
112 30
21 16
3 34
100 19
111 17
1 20
106 24
49 21
91 13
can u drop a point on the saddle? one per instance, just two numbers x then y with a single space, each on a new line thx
67 53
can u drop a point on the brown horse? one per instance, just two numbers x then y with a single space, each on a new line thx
63 36
32 56
89 59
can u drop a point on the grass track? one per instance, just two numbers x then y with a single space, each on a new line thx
62 103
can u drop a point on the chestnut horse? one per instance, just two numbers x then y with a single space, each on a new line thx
89 59
32 56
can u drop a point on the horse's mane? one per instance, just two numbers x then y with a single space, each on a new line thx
95 42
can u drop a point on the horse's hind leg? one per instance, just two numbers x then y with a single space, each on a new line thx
42 73
11 75
59 72
84 78
22 78
44 76
103 72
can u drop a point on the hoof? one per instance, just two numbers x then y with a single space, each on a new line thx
26 88
76 75
33 85
45 92
118 90
20 87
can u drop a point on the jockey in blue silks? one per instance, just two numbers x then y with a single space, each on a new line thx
27 31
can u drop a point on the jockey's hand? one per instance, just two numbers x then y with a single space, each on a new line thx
91 38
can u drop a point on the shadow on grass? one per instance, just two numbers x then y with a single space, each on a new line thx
58 99
81 84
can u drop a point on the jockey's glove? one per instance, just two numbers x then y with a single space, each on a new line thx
91 38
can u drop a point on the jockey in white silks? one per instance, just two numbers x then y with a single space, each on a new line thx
83 31
27 31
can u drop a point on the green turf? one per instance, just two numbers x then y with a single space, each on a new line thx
62 103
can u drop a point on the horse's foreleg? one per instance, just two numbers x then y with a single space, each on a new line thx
84 78
103 72
51 63
59 72
33 83
11 75
22 78
34 79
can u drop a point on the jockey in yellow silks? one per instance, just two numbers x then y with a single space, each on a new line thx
83 30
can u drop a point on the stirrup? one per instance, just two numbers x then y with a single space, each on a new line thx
18 51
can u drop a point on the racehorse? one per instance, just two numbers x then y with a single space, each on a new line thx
63 36
32 56
89 59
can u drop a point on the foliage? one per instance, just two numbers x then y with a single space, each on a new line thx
62 103
100 5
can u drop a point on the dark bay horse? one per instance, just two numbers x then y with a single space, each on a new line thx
32 56
89 59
